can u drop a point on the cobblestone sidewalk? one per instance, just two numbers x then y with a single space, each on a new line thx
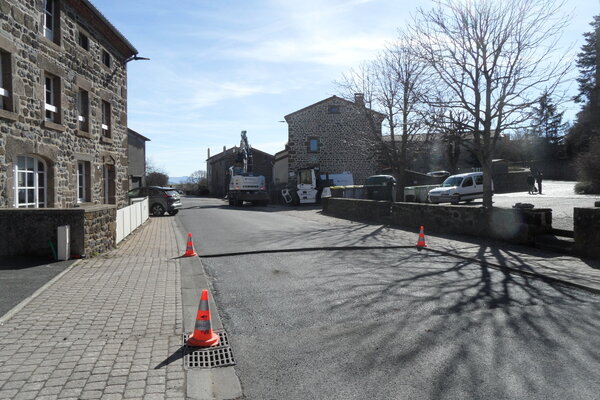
109 328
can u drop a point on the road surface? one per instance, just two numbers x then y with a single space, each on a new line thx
361 323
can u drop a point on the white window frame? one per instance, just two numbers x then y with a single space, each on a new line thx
3 91
49 19
50 88
81 182
83 109
106 114
31 169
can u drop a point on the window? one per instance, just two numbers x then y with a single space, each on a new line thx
109 184
5 81
479 180
83 181
313 145
333 109
30 188
52 94
106 58
106 131
83 110
50 20
83 41
305 177
467 182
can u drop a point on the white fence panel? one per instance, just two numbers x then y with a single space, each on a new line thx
129 218
120 217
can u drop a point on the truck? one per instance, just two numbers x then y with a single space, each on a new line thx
309 185
243 184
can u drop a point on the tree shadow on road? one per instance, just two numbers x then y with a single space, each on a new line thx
471 330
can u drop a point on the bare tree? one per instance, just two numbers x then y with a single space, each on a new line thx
450 126
495 58
155 176
392 84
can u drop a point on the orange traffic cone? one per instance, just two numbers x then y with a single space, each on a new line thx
421 242
203 335
189 251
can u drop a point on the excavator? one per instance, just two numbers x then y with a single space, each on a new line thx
244 185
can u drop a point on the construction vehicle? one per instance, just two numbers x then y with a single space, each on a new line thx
243 184
308 185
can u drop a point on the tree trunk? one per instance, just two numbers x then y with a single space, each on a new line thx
486 166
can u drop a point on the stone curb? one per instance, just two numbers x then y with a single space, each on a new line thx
213 383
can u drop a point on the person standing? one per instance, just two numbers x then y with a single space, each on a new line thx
538 179
530 183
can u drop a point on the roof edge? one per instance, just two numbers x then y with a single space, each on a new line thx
88 4
138 134
327 99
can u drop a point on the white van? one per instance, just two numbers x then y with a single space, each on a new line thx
457 188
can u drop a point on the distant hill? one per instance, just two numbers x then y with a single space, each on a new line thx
175 180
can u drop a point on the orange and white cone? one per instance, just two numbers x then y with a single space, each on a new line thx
189 251
421 242
203 335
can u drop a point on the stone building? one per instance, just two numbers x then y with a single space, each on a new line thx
136 156
335 135
63 106
217 169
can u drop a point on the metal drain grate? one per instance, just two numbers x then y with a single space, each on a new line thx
208 357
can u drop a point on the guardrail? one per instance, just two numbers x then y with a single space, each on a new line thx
130 217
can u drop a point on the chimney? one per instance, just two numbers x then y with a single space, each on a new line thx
224 149
208 153
359 99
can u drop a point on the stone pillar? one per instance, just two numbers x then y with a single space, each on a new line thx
586 233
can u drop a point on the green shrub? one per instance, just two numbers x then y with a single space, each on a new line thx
587 188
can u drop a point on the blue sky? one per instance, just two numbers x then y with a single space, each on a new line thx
220 67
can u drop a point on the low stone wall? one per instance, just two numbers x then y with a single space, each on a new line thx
515 225
29 231
586 233
358 209
100 229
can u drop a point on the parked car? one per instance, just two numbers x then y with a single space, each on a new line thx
456 188
381 187
160 199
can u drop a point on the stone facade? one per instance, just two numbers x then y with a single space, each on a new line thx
63 119
335 135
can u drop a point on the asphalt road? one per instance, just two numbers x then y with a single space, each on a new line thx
384 323
20 277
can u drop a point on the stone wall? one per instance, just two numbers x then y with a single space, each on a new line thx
346 139
515 225
100 229
60 144
92 230
586 222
